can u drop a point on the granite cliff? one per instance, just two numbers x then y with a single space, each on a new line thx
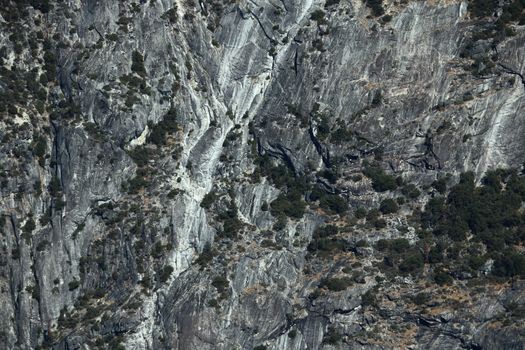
278 174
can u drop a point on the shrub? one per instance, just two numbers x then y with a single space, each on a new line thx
289 204
54 186
441 277
206 256
136 183
399 245
140 155
208 200
360 213
435 255
331 3
73 285
483 8
386 18
341 135
319 17
166 126
388 206
171 15
323 126
220 283
231 223
165 273
325 247
411 263
39 146
374 220
421 298
15 253
410 191
509 264
380 223
326 231
281 176
369 298
43 5
29 226
35 291
333 203
328 174
137 63
337 284
376 6
281 222
381 182
332 337
42 246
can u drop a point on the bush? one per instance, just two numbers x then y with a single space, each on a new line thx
231 223
380 223
337 284
73 285
421 298
221 283
442 277
376 6
388 206
328 174
483 8
341 135
326 231
289 204
369 298
360 213
332 337
333 203
331 3
166 126
137 183
140 155
157 250
137 63
54 186
399 245
411 263
42 246
165 273
410 191
509 265
381 182
208 200
43 5
325 247
206 256
281 222
29 226
39 146
319 17
171 15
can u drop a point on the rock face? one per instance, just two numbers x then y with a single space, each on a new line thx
167 165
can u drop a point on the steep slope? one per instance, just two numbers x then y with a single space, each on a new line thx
262 175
